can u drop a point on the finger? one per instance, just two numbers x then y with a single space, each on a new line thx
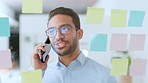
35 59
38 48
36 56
40 53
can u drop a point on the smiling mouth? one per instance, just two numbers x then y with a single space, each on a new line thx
60 45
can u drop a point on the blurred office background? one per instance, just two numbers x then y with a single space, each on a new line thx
27 30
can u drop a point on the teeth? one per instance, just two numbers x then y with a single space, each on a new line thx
61 45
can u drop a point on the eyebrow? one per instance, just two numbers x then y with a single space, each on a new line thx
61 26
65 25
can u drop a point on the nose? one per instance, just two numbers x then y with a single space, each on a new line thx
59 35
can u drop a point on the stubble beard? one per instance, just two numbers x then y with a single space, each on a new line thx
70 49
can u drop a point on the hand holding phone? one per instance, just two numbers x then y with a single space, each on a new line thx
47 50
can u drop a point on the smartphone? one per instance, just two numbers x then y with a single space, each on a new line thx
47 50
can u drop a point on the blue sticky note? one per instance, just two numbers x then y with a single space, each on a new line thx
136 18
98 42
4 27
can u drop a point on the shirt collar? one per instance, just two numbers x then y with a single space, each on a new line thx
80 58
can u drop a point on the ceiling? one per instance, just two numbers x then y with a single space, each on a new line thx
80 6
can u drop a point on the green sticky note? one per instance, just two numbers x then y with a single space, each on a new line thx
136 18
118 18
32 76
4 27
32 6
94 15
98 42
119 67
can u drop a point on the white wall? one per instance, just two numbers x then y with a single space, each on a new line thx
4 43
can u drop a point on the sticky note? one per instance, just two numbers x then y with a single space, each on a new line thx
136 18
94 15
4 27
118 42
32 6
118 18
5 59
137 42
138 67
119 67
32 76
98 42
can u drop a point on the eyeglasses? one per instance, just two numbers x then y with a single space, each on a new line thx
64 30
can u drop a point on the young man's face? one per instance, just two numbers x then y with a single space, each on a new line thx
63 44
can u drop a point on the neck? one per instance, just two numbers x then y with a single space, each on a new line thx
66 60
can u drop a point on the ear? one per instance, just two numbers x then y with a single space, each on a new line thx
80 33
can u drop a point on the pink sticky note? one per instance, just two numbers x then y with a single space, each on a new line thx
5 59
137 42
118 42
138 67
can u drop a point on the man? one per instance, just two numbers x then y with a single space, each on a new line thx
71 66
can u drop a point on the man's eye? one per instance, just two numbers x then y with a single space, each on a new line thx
51 30
64 29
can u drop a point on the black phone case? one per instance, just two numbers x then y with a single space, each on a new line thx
44 57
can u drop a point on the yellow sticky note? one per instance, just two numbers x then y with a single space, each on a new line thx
32 6
32 76
118 18
94 15
119 67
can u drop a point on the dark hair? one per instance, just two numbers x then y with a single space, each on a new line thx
66 11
